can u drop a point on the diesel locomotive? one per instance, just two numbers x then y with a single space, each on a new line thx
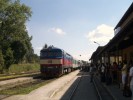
54 62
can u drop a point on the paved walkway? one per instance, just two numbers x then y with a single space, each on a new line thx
116 91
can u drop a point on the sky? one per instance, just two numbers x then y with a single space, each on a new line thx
74 25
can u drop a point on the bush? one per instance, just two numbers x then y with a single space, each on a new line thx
20 68
1 62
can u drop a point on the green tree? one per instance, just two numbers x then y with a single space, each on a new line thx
19 50
36 58
14 39
1 62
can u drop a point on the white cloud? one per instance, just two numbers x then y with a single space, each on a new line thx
58 31
102 34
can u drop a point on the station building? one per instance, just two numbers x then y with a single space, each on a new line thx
120 47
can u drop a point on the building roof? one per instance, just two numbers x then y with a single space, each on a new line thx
122 33
119 38
96 52
128 12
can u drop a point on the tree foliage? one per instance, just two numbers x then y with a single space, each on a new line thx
15 43
1 62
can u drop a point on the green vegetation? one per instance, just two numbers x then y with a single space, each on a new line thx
16 76
1 61
18 68
15 43
24 89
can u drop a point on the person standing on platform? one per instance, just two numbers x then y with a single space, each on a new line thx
114 71
131 80
124 76
102 72
91 72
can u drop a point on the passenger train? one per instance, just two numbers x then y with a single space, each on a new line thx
54 62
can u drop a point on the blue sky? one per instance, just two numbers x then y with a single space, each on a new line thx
74 25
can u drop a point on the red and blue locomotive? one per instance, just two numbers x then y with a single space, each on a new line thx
54 62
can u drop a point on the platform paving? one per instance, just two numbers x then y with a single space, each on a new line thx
115 91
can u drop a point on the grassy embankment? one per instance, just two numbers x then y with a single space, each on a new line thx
20 68
22 89
17 70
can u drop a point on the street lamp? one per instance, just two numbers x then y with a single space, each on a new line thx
80 57
96 43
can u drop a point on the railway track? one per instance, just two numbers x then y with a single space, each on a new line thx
20 80
13 76
3 96
24 85
102 92
16 81
82 86
50 87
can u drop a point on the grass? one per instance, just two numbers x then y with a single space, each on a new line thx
19 68
24 89
15 76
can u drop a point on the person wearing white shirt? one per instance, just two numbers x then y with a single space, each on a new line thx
102 69
131 80
103 72
92 69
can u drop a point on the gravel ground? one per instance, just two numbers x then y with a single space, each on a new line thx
13 82
51 91
16 80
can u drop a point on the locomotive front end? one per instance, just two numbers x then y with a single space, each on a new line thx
51 62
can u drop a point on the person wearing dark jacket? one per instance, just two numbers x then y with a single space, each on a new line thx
92 69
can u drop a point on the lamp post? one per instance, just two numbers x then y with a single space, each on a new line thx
96 43
80 63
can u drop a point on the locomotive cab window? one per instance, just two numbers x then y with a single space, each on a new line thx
50 54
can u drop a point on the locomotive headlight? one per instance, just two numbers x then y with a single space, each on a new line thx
56 67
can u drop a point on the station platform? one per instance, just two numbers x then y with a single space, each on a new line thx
115 90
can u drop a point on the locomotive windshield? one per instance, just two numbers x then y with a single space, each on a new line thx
50 54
